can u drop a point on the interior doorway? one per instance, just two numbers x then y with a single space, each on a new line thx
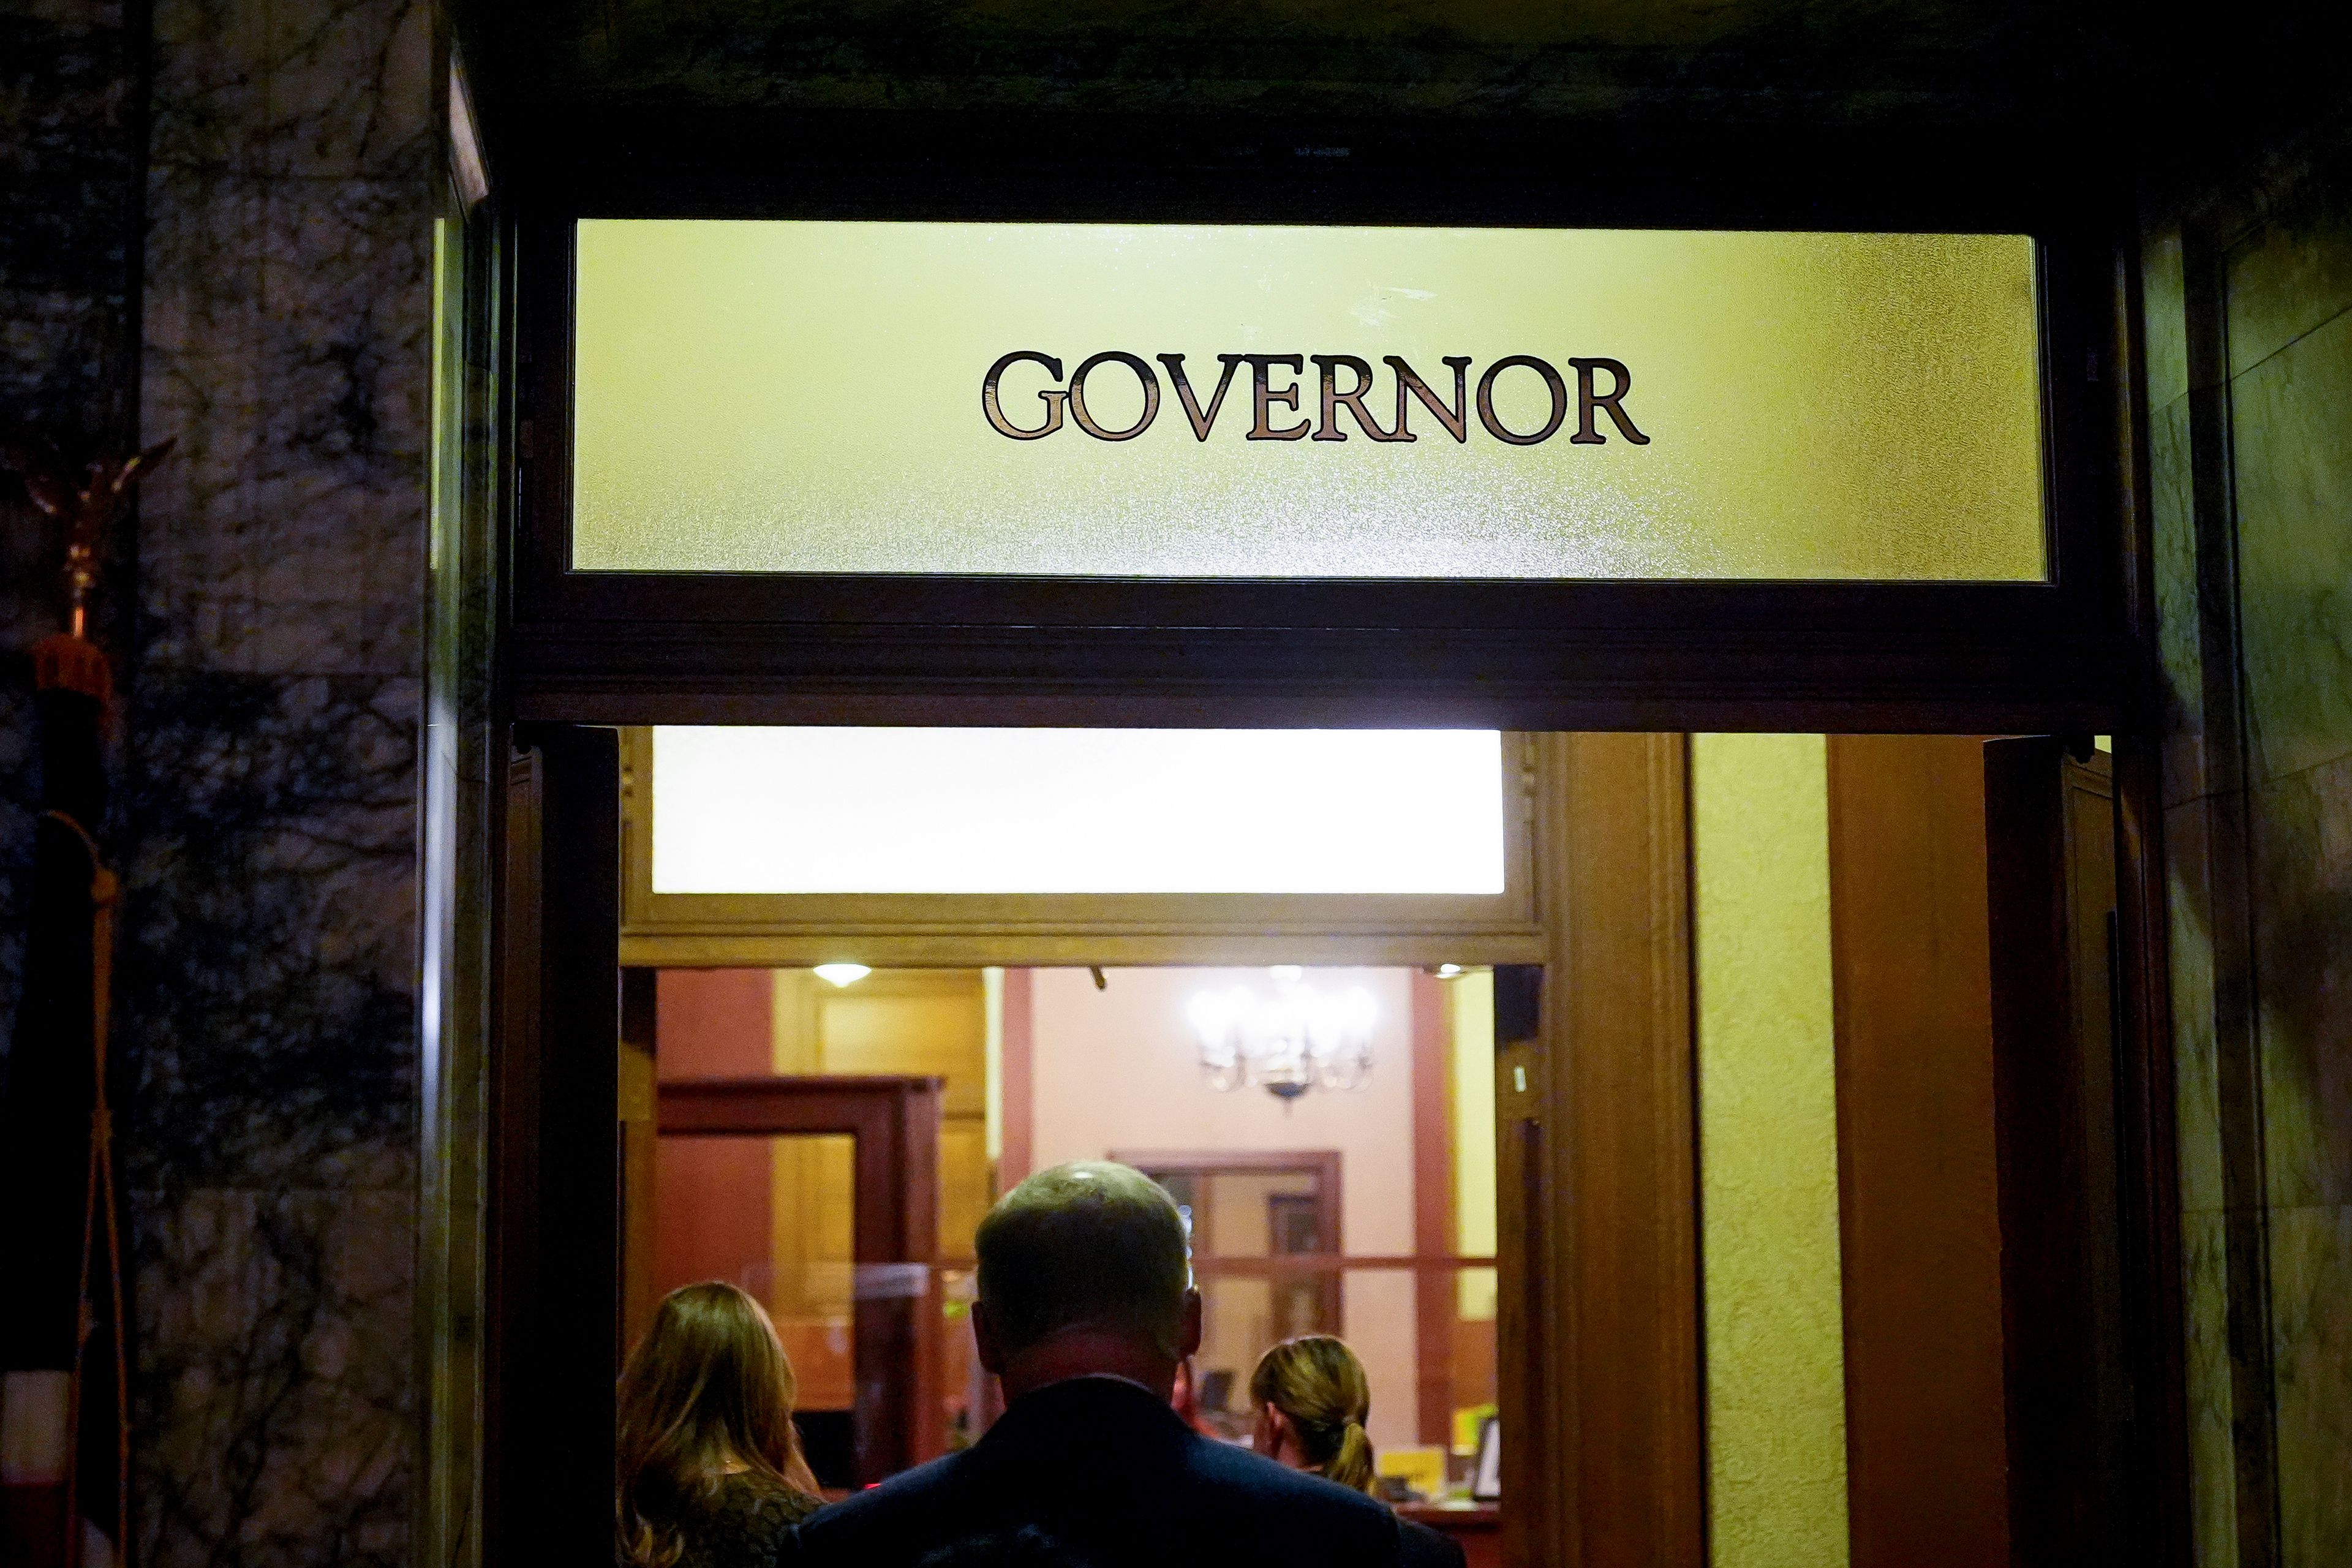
1360 1204
1792 1044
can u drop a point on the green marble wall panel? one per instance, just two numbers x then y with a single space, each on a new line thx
2213 1498
2179 635
2294 275
2260 852
2166 335
2303 947
2289 416
2196 1084
2311 1306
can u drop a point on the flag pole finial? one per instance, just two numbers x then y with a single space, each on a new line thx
85 507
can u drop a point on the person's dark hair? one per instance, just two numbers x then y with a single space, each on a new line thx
706 1394
1317 1381
1091 1245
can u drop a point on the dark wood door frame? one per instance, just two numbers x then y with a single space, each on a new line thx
894 1123
589 649
788 647
1599 1297
551 1253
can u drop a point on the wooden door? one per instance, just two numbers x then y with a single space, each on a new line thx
552 1280
2050 827
1972 901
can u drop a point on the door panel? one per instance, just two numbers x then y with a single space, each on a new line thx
2051 823
554 1243
896 1307
1919 1201
1972 886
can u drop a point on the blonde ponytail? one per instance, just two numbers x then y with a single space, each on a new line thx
1353 1464
1316 1382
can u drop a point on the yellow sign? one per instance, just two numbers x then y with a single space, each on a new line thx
1174 401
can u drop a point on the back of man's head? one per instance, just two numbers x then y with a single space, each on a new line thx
1090 1245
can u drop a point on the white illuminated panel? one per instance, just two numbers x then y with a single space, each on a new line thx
804 810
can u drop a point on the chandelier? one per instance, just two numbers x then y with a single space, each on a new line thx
1296 1038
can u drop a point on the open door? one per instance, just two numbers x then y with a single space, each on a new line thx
2050 819
1973 903
553 1290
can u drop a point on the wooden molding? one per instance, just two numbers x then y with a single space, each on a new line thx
675 930
1613 1164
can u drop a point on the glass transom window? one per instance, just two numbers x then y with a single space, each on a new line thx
1174 400
814 810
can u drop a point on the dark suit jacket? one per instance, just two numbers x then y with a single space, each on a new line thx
1112 1475
1422 1547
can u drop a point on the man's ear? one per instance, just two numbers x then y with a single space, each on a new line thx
983 1340
1189 1335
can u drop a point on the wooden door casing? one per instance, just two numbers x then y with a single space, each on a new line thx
551 1241
894 1122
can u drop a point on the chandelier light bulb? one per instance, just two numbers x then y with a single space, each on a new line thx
1299 1038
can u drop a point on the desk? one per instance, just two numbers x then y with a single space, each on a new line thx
1478 1526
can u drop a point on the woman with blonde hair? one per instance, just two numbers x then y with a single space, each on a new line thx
1312 1400
709 1466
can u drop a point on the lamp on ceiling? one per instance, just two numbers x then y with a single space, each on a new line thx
840 974
1288 1039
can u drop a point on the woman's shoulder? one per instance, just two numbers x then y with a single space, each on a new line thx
744 1523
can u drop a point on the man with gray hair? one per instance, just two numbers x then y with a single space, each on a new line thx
1086 1307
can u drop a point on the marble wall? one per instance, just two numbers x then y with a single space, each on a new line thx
279 172
2250 330
270 814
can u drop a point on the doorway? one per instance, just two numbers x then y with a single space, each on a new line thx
1618 1131
1357 1200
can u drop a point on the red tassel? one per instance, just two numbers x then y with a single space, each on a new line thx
69 663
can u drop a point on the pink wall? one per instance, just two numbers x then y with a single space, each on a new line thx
714 1023
711 1195
1117 1071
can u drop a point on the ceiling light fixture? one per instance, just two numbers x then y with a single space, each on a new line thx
842 973
1299 1038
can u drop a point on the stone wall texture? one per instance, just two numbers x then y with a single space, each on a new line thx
271 950
2250 332
279 172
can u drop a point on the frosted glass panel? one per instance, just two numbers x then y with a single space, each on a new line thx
807 810
1172 401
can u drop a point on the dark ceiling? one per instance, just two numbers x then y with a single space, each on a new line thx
1414 56
2042 81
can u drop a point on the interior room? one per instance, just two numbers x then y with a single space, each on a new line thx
1893 960
1303 1198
